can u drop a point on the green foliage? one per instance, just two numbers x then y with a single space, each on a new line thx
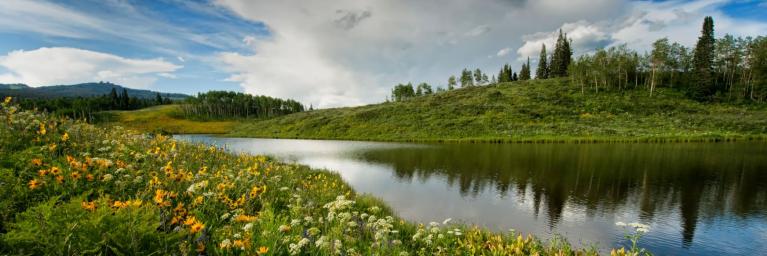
217 105
57 227
560 59
543 67
403 92
536 110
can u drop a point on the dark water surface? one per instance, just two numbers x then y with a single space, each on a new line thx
701 199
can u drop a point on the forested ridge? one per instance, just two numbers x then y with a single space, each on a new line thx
233 105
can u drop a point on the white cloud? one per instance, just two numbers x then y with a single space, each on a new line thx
585 37
60 65
348 52
503 52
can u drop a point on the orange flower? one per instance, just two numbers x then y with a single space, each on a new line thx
75 175
191 220
37 162
42 172
89 177
262 250
159 196
33 184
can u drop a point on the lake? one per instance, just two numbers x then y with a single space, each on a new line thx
698 198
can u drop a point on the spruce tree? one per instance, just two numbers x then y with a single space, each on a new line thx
542 71
703 78
451 83
561 58
114 101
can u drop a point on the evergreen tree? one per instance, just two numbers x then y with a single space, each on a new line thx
703 60
561 58
115 101
124 99
514 77
543 69
158 99
524 73
451 83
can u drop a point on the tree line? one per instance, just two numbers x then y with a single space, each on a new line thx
722 69
85 108
234 105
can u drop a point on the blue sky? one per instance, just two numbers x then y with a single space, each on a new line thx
325 53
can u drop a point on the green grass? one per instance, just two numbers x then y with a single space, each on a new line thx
165 118
532 111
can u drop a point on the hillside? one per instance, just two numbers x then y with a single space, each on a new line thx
163 119
78 90
536 110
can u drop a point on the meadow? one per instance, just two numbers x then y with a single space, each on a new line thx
163 119
75 188
547 110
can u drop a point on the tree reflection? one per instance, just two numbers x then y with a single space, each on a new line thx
697 180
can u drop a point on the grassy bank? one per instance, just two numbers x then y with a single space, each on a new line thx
531 111
73 188
165 119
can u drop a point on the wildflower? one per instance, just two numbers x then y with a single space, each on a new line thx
225 244
52 147
7 100
33 184
65 137
248 227
55 170
191 220
107 177
37 162
42 172
284 228
75 175
42 130
59 179
89 177
262 250
196 227
89 206
245 218
238 243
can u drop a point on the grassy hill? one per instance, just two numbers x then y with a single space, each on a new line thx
534 111
163 118
78 90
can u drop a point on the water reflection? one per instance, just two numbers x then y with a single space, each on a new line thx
700 180
704 199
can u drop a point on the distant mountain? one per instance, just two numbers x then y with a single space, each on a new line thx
78 90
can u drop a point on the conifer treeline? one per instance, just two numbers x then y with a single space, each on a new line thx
85 107
723 69
233 105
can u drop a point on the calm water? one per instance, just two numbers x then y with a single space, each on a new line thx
702 199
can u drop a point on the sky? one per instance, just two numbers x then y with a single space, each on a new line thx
326 53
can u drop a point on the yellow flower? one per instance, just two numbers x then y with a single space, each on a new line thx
90 206
42 172
245 218
238 243
7 100
262 250
55 170
37 162
52 147
59 179
159 196
75 175
33 184
197 227
190 221
42 130
89 177
65 137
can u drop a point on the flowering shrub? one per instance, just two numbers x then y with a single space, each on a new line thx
74 188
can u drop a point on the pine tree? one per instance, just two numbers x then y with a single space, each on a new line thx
115 101
703 60
478 76
158 99
524 73
560 59
514 77
542 72
451 83
125 99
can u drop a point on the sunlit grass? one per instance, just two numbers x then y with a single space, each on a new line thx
164 118
72 188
